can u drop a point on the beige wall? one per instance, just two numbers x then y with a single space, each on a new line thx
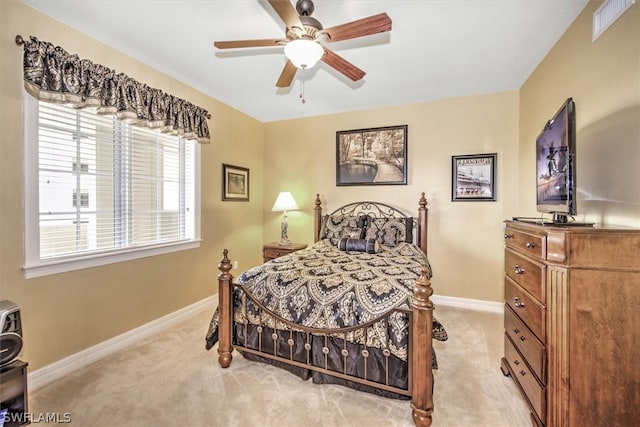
603 77
66 313
465 238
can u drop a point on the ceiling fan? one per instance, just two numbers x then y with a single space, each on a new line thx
306 38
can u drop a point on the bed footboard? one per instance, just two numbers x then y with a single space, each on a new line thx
225 310
422 334
421 352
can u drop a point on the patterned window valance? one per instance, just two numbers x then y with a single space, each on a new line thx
53 75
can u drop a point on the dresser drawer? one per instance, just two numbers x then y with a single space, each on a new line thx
528 345
532 244
530 275
531 312
535 392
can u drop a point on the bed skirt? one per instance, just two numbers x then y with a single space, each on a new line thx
328 353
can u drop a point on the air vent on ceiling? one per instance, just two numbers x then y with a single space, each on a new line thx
608 12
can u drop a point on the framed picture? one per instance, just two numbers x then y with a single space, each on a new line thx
235 183
376 156
473 177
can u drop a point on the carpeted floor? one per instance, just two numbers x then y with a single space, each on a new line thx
170 379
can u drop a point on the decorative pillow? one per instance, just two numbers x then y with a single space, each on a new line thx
333 226
359 245
390 231
353 233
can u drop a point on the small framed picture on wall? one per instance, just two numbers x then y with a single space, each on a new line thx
473 177
235 183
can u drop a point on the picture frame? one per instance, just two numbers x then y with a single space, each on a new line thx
473 177
235 183
374 156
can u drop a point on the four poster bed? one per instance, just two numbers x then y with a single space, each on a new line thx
353 309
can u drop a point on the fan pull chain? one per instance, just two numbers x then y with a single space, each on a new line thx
302 91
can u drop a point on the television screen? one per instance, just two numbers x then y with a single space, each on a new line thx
555 164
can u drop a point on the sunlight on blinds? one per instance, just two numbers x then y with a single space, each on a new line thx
105 184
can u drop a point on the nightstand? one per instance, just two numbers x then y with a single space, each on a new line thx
275 250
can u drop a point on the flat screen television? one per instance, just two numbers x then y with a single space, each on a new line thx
556 164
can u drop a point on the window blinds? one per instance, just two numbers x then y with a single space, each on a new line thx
106 185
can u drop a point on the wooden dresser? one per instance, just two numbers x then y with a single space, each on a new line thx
572 323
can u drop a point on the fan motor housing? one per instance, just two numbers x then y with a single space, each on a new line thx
305 7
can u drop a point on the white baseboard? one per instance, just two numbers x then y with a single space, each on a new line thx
47 374
471 304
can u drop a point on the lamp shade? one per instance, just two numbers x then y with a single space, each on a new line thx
285 202
303 53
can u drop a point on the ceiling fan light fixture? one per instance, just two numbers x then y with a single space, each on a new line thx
303 53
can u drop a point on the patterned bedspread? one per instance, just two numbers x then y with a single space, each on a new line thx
324 287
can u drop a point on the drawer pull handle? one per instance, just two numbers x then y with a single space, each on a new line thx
508 236
516 330
517 269
516 362
523 373
530 245
517 302
522 338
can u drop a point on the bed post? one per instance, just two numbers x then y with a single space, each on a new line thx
317 219
421 352
422 224
225 311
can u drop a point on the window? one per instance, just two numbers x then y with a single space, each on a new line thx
99 190
84 200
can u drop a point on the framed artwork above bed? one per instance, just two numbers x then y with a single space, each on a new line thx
235 183
375 156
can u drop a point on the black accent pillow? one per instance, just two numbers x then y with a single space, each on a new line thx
370 246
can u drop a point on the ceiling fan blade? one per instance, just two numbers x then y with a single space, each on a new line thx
247 43
286 77
287 13
379 23
342 65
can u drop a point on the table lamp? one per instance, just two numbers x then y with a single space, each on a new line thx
284 203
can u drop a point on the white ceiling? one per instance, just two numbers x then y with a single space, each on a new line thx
435 50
